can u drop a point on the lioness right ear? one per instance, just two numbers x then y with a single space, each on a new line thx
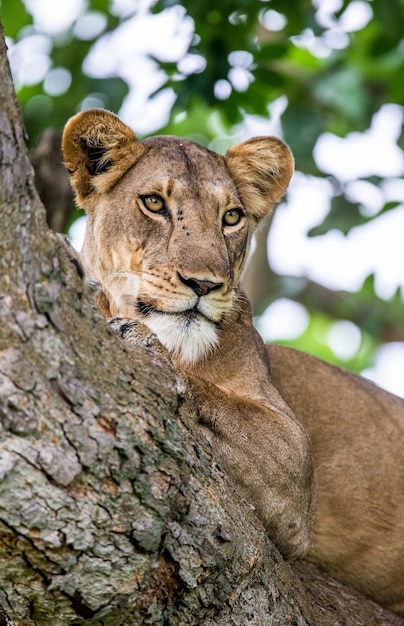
97 150
261 167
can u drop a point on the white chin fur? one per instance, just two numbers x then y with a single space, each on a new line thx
187 340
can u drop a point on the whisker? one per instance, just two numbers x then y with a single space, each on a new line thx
146 276
128 273
144 309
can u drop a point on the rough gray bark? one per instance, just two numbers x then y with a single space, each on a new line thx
111 511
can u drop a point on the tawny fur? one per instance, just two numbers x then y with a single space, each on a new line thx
151 264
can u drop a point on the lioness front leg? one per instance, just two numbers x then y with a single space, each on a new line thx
265 451
268 455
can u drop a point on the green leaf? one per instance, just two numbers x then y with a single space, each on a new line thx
343 215
14 17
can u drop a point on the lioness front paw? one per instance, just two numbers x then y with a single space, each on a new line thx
136 333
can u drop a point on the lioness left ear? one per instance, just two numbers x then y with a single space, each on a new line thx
97 150
261 168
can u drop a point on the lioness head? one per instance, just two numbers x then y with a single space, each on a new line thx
169 223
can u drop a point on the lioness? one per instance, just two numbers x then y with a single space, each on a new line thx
168 233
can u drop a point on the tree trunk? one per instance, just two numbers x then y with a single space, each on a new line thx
111 512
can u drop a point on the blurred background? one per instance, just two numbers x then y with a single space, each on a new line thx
327 275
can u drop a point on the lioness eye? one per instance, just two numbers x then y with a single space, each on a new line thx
232 217
153 203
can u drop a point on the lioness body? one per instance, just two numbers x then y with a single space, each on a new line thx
169 226
357 432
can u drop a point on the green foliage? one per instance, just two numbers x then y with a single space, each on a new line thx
337 93
68 52
375 318
315 340
343 216
14 17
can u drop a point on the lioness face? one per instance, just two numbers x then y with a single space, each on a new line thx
169 224
170 240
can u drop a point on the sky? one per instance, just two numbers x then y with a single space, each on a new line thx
334 260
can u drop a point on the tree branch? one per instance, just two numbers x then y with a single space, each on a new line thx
52 180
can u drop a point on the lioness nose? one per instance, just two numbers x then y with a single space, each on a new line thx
200 287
